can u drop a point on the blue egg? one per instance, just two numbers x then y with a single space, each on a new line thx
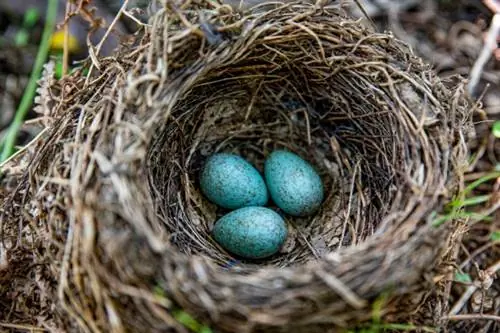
293 184
251 232
231 182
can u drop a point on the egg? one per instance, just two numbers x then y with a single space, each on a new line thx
251 232
293 184
231 182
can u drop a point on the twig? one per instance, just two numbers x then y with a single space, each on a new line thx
23 327
478 251
365 14
29 93
473 316
492 5
66 39
342 290
348 212
103 39
489 45
25 147
133 18
472 288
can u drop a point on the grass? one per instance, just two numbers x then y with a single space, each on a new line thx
496 129
182 317
456 209
9 141
462 277
190 323
377 326
460 207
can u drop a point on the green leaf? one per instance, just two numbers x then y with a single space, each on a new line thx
377 308
496 129
22 38
58 70
441 219
31 16
495 236
460 215
206 329
158 291
462 277
189 322
476 200
480 181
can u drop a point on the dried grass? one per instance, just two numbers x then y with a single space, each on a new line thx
108 206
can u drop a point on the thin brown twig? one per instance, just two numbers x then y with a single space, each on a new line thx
23 327
490 45
492 5
65 60
473 317
471 289
93 54
478 251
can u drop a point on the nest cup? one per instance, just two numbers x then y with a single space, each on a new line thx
132 227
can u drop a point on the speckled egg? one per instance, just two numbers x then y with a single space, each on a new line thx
293 184
251 232
231 182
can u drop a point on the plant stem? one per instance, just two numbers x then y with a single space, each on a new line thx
30 90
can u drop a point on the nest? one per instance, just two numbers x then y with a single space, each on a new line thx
107 202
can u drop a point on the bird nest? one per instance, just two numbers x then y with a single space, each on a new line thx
108 202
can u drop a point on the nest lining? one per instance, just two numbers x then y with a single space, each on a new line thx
384 132
190 217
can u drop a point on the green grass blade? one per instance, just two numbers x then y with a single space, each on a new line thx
480 181
463 277
496 129
189 322
460 215
471 201
29 92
